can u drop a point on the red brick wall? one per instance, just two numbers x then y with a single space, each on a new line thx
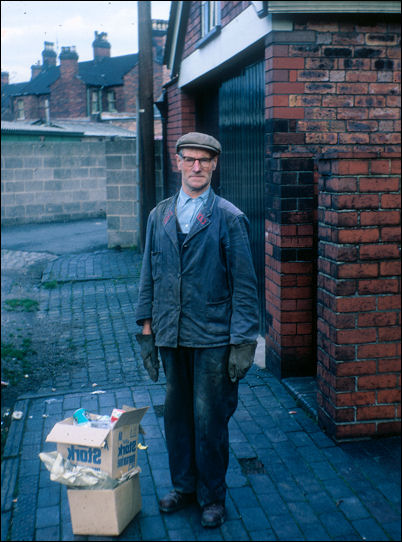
31 107
229 10
290 265
180 119
359 294
193 31
126 98
130 90
330 85
68 93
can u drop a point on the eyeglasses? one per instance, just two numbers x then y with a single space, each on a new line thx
190 161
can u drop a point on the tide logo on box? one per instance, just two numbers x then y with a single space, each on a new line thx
85 455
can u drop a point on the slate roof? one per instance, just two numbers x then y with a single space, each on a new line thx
7 91
107 71
68 127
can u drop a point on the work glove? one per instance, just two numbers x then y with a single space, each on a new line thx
149 354
241 358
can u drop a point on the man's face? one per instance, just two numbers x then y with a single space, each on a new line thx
195 175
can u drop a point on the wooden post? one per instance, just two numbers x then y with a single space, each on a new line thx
145 117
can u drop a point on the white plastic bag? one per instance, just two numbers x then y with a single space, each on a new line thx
61 470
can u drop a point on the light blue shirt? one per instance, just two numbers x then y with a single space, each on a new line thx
187 208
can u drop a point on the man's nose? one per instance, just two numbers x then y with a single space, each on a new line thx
197 165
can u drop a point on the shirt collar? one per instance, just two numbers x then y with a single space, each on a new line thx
183 197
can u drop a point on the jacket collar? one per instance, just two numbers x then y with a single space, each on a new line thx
202 219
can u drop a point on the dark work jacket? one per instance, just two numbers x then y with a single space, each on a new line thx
204 293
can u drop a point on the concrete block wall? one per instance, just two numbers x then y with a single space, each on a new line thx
122 187
56 181
122 207
49 181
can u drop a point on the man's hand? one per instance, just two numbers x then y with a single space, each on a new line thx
146 327
241 358
149 352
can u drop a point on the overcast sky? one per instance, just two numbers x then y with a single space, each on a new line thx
25 26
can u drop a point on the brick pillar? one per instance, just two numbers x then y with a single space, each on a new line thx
290 268
290 213
358 372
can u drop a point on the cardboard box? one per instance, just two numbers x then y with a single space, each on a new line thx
104 511
112 450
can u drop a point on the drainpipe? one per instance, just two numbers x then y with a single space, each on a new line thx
161 104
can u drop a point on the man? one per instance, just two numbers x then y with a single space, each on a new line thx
198 305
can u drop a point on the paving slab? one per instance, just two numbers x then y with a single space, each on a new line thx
287 480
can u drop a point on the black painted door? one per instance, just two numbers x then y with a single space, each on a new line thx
241 133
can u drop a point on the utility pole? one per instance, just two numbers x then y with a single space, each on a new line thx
145 117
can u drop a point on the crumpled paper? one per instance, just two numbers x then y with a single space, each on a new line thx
61 470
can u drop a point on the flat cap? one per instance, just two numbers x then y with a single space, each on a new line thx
199 141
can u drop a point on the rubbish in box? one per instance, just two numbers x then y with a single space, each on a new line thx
82 416
99 443
61 470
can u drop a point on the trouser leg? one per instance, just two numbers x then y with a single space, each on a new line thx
178 417
200 399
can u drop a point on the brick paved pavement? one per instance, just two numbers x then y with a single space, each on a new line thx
286 480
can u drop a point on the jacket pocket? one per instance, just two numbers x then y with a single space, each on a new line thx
218 314
156 265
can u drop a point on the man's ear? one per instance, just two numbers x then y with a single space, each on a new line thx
178 162
214 163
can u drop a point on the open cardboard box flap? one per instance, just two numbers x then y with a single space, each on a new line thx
66 432
130 417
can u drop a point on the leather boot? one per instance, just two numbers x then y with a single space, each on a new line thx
213 515
175 500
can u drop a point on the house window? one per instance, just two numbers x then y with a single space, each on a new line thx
95 101
20 109
47 110
210 17
111 100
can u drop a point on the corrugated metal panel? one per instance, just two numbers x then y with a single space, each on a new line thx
241 132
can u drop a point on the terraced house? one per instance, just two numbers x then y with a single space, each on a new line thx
305 99
104 88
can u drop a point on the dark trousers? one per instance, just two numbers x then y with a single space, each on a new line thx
200 399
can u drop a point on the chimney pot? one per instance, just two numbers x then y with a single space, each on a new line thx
5 78
100 45
35 70
68 61
68 53
49 54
